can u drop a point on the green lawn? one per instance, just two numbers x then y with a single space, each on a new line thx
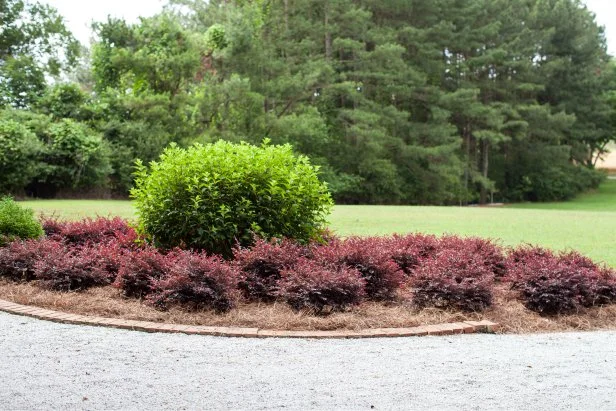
587 224
603 199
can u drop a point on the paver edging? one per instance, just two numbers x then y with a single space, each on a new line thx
465 327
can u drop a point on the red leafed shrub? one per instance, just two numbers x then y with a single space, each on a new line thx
109 257
371 257
313 286
52 227
261 265
558 284
96 231
575 259
70 269
492 255
527 254
18 259
453 279
197 281
410 250
602 291
139 269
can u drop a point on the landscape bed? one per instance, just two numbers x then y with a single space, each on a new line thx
357 283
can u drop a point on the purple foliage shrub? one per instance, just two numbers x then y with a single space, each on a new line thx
196 281
320 288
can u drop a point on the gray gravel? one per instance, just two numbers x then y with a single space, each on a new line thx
45 365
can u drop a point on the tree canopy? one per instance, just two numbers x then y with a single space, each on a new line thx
398 102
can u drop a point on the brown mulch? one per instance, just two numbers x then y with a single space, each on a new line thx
107 302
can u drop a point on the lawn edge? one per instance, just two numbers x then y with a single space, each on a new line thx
466 327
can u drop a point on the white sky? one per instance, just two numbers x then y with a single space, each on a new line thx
80 13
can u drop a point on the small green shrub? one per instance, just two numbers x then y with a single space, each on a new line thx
17 222
210 197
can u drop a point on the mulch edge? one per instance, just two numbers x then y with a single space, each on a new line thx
466 327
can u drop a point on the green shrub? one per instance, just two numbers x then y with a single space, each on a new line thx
213 196
17 222
19 149
75 157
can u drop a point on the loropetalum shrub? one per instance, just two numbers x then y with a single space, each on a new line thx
196 281
453 279
17 222
52 227
67 268
485 249
320 288
139 270
261 265
93 231
209 197
527 254
553 284
409 251
18 259
371 257
109 257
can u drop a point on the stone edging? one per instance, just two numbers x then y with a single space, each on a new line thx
465 327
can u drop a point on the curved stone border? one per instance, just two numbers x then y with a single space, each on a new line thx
466 327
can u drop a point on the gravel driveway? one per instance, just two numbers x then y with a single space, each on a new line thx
45 365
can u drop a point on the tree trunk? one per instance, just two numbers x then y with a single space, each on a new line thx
467 170
485 150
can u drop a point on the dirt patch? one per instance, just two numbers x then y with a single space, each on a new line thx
107 302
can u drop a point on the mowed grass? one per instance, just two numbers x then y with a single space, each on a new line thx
602 199
586 224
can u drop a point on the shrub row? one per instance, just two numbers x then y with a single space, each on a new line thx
553 284
448 272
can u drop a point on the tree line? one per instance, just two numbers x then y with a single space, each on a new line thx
398 101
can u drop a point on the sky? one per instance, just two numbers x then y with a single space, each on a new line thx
80 13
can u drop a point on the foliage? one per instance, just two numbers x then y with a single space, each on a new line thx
485 250
75 157
44 156
422 102
108 256
19 150
92 231
34 41
140 269
559 284
371 257
210 196
70 269
17 222
18 259
313 286
539 172
411 250
261 266
453 279
196 281
64 101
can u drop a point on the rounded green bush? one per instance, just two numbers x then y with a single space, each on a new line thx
17 222
212 197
